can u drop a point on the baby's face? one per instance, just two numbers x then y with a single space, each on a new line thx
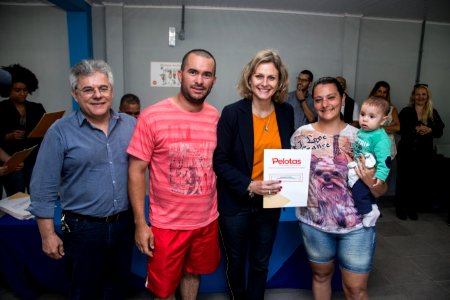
371 117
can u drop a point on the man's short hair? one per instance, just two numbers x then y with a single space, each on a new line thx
88 67
199 52
309 73
129 99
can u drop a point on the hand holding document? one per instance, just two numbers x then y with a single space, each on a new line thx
16 206
291 166
44 124
17 158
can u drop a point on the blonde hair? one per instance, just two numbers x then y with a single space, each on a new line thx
264 56
427 112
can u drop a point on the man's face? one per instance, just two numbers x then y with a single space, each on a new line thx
132 109
197 78
94 95
303 82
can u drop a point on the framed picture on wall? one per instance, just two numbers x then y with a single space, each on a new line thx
164 74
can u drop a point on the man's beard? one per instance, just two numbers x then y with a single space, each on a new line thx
192 100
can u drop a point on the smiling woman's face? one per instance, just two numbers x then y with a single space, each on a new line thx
264 81
327 101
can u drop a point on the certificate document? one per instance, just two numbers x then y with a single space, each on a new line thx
291 166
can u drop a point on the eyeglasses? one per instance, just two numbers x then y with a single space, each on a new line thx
302 80
90 91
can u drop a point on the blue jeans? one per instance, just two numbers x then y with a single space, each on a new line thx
353 250
251 233
98 256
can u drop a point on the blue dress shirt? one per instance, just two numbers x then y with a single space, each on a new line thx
300 118
85 168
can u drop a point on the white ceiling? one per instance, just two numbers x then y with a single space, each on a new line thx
431 10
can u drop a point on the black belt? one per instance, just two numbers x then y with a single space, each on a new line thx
111 218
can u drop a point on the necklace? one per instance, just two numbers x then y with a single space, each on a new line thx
261 113
266 128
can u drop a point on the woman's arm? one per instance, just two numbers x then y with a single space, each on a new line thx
226 157
437 127
394 127
3 155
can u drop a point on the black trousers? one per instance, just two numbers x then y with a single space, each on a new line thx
252 234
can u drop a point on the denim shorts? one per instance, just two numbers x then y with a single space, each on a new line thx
353 250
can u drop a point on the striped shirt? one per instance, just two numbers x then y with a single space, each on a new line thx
179 147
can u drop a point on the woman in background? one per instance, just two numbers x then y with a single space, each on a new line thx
420 123
18 117
261 120
382 89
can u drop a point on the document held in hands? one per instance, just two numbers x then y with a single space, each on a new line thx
17 158
44 124
291 166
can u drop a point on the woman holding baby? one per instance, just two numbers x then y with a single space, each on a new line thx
330 224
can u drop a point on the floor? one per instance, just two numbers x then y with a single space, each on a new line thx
412 261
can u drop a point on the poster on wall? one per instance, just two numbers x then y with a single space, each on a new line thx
164 74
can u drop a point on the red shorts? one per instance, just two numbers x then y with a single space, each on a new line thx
181 251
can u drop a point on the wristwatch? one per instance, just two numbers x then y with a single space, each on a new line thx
250 193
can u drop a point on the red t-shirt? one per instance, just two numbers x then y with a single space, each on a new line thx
179 147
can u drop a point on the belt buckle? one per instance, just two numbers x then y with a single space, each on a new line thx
112 218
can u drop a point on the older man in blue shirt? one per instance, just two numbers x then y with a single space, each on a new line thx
83 161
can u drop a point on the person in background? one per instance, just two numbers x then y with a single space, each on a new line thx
5 84
301 100
175 139
130 104
420 123
330 224
350 109
83 161
382 89
4 157
18 117
374 144
261 120
3 169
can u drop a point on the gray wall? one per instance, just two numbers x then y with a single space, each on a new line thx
361 49
36 38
